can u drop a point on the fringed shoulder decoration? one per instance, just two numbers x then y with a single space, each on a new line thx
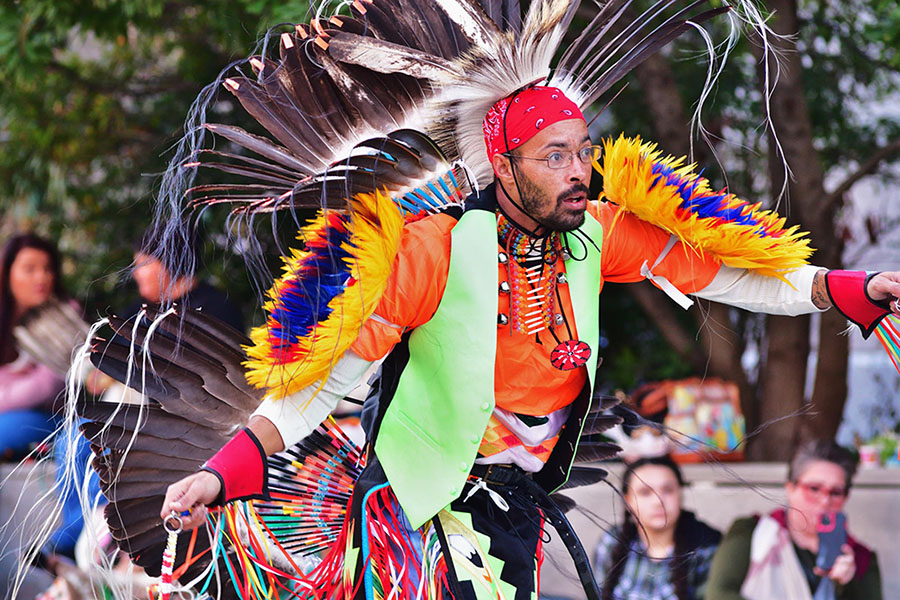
317 308
667 193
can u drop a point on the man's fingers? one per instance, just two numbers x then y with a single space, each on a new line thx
180 496
191 493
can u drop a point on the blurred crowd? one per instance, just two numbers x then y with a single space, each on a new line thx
659 551
32 390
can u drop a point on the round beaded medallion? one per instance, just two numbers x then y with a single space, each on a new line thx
570 354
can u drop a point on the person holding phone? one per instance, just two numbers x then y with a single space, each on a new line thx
776 555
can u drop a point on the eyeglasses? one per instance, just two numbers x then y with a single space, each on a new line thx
560 159
815 491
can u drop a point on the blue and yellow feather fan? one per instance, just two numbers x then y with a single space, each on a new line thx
667 193
317 308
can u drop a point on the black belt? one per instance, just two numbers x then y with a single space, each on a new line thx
498 474
514 476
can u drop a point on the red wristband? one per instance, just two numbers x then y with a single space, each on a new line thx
242 469
847 290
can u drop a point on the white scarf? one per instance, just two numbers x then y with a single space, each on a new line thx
775 570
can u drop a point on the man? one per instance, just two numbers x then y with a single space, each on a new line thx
489 323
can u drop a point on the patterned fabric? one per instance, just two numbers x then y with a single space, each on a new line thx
522 440
493 536
644 578
532 110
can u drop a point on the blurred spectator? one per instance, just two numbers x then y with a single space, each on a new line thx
774 556
661 551
29 276
157 285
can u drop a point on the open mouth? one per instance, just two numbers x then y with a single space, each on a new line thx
575 201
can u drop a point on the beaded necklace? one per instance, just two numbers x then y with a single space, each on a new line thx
533 273
532 269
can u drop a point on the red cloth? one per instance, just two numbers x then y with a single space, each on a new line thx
241 467
532 110
847 290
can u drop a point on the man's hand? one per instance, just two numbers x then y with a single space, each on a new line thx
886 286
192 493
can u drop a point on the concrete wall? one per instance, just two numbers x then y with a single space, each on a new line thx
719 494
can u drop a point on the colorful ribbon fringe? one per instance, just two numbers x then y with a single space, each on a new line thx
299 544
888 333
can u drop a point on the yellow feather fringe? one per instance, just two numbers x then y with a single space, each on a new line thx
628 180
376 226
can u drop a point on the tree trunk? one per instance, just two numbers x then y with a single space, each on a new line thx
786 348
784 374
830 385
720 351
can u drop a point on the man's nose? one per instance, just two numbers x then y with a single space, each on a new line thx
576 172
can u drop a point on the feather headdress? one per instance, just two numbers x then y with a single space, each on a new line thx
434 66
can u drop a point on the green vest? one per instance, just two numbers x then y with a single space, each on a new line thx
431 431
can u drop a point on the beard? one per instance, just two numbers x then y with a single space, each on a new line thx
536 202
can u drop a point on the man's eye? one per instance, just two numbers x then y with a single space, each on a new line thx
555 157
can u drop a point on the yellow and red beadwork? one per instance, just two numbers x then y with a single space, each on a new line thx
532 269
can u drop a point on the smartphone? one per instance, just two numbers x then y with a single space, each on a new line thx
832 536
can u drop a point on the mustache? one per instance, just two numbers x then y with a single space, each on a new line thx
572 191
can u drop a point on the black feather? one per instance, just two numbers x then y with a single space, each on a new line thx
581 476
590 451
261 146
212 373
564 503
598 423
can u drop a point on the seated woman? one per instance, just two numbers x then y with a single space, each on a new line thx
774 556
29 276
661 551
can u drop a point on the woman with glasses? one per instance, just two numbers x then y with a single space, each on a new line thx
774 556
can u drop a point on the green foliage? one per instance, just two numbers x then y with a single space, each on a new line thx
94 95
632 348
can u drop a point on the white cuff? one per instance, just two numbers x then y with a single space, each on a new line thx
759 293
297 415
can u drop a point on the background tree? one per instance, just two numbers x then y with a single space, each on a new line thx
837 59
94 94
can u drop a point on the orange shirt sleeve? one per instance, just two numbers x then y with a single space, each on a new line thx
630 241
414 288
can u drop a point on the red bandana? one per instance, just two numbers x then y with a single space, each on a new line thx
532 110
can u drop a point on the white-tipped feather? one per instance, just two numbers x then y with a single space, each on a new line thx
508 63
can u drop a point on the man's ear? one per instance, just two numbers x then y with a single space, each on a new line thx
502 166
